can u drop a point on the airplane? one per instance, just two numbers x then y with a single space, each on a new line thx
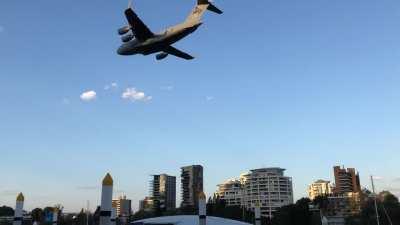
137 38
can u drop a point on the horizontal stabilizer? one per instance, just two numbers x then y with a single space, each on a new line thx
213 8
210 7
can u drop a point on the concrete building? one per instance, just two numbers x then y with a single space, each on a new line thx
191 184
163 190
147 204
346 180
344 205
270 187
319 188
123 206
231 192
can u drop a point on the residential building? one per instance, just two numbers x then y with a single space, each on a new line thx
191 184
346 180
123 205
147 204
231 192
163 190
268 186
319 188
344 205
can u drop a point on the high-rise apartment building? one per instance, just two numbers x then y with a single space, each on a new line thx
191 184
163 190
123 205
231 192
346 180
268 186
319 188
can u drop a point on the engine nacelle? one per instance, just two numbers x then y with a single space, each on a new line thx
127 38
123 30
161 56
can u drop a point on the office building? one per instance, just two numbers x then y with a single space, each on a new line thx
319 188
191 184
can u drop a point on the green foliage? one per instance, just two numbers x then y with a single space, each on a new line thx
6 211
388 210
218 208
294 214
37 215
321 202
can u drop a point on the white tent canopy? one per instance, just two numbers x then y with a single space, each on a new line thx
187 220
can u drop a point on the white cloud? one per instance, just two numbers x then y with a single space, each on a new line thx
88 96
133 95
113 85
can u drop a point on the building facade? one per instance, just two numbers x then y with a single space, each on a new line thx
147 204
123 206
268 186
231 192
163 190
346 180
319 188
191 184
344 205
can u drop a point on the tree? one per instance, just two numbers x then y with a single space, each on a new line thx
321 202
6 211
388 210
218 207
294 214
37 215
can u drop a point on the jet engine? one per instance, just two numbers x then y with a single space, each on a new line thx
123 30
127 38
161 55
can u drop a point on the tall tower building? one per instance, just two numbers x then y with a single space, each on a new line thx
192 185
269 188
163 190
319 188
346 180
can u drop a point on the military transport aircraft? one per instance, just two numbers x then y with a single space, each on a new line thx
138 39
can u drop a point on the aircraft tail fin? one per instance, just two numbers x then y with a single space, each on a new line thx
201 7
210 6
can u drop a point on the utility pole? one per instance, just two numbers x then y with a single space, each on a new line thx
87 212
376 203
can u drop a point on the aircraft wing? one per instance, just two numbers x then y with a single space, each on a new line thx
173 51
140 30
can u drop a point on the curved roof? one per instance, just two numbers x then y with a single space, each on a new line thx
188 220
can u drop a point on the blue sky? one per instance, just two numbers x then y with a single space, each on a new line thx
303 85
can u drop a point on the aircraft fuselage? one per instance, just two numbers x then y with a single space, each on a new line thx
158 42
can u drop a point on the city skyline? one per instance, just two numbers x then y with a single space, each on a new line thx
300 85
118 193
